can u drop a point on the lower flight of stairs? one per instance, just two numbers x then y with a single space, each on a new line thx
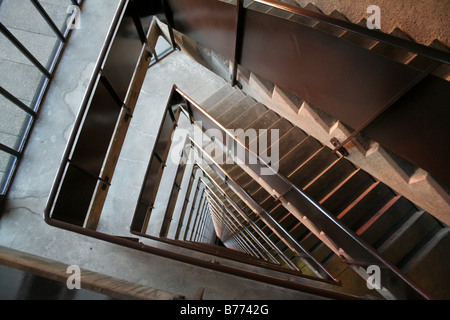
400 175
402 232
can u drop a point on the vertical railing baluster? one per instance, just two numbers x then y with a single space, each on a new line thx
238 41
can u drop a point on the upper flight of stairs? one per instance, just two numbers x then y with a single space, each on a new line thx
402 232
412 182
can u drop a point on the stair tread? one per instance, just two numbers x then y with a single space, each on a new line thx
429 267
313 167
344 194
305 20
360 212
226 103
247 117
408 236
292 138
235 109
217 97
330 178
298 155
336 31
359 39
279 13
393 52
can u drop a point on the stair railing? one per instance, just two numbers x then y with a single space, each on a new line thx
363 88
338 237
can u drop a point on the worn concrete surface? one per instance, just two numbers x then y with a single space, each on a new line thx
421 19
19 76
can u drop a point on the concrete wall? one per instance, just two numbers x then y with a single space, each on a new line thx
423 20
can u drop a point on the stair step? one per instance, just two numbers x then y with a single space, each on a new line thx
236 110
299 231
304 20
429 267
309 242
24 16
246 118
394 53
313 167
289 140
13 124
335 265
408 236
280 13
257 6
22 81
40 46
288 221
365 207
224 105
278 212
265 121
329 179
321 252
341 197
358 39
387 218
332 29
217 97
298 155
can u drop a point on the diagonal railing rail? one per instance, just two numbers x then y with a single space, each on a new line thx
339 238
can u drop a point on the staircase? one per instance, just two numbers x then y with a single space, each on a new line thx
400 230
403 233
384 220
402 176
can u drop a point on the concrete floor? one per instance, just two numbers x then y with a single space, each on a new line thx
20 76
22 226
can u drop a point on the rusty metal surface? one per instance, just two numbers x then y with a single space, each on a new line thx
95 136
94 129
351 83
346 81
212 23
153 175
74 196
123 57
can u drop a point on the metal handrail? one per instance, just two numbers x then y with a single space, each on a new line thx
338 237
84 106
251 223
270 222
431 53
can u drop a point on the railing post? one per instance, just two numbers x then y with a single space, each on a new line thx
169 24
238 41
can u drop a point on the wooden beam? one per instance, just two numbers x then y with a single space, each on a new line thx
100 283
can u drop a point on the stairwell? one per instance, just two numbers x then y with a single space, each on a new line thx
376 207
402 176
378 195
402 232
